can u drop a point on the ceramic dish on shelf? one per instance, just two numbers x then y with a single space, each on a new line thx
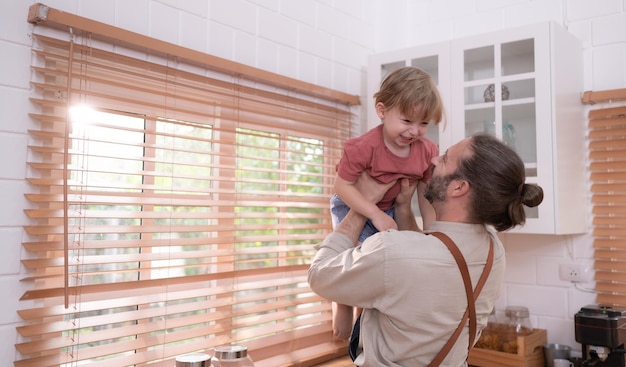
490 93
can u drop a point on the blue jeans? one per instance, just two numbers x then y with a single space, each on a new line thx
339 210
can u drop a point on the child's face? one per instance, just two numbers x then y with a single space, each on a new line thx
398 129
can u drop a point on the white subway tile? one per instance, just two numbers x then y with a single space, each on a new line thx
544 301
195 7
12 195
521 270
325 72
101 11
585 9
14 104
608 67
15 61
609 29
355 77
164 23
278 28
273 5
8 332
237 14
267 58
133 15
12 290
193 32
10 259
300 10
14 146
221 40
353 8
529 12
548 271
246 51
346 53
13 19
314 41
307 67
332 21
287 61
478 23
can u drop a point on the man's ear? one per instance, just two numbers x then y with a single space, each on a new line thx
380 110
459 187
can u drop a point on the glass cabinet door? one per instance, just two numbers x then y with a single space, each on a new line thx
509 113
499 97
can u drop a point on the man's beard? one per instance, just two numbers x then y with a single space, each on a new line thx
435 191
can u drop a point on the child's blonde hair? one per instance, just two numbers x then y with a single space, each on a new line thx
413 92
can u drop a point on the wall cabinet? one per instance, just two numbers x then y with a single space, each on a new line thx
524 86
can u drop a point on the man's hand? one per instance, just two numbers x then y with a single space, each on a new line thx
406 193
353 222
403 213
372 190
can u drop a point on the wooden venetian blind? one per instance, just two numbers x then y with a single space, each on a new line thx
607 153
175 208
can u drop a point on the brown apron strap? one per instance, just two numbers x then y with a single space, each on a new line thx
470 312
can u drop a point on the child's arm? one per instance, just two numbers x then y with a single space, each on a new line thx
350 195
426 209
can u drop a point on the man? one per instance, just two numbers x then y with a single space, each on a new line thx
407 282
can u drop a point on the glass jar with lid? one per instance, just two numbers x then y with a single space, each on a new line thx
517 324
518 319
231 356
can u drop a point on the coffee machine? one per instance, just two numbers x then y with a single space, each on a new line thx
602 332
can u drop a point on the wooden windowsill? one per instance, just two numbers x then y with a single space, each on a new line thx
337 362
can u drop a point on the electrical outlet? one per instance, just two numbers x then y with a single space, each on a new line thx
573 272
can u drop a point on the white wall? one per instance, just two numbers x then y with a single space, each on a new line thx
324 42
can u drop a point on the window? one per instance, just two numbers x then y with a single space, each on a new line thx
174 209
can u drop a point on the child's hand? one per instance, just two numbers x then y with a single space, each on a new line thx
383 222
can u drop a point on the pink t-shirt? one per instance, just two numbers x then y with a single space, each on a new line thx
369 153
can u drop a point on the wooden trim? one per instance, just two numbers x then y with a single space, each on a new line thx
42 14
591 97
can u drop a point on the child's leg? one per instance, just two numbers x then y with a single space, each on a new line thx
342 321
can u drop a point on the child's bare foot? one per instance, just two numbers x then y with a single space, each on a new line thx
342 321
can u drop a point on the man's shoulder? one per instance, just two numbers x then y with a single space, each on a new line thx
405 242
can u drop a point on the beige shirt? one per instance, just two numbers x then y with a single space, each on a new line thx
410 288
